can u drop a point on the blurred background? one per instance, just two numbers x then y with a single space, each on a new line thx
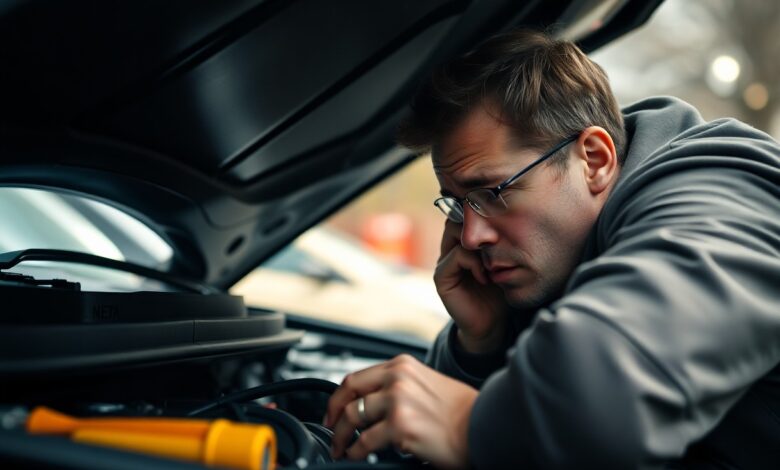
723 56
720 55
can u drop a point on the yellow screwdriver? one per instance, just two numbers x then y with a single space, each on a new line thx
213 443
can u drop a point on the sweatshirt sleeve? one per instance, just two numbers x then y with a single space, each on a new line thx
447 357
659 336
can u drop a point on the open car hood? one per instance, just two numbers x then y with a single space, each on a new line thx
232 126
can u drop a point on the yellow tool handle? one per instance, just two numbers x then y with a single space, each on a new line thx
214 443
228 445
44 420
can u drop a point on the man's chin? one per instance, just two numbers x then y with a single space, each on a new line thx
527 297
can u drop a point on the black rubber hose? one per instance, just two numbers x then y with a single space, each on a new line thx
287 386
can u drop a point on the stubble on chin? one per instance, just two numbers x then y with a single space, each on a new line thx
533 296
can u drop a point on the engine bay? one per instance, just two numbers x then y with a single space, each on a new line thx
281 389
191 358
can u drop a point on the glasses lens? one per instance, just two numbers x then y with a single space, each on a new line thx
451 208
486 203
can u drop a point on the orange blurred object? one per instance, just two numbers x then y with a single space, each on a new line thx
389 235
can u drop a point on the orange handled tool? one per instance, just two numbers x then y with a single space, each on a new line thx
214 443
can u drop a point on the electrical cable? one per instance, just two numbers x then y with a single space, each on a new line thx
322 436
240 414
307 448
310 440
261 391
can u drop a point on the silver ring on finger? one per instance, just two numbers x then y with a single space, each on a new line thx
361 411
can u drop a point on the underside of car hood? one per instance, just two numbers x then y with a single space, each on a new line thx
232 126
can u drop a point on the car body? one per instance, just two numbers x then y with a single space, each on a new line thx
227 128
326 275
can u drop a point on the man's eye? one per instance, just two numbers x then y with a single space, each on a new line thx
512 193
519 184
511 190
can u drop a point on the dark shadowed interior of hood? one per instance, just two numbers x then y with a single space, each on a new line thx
232 126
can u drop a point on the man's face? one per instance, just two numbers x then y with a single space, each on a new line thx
532 249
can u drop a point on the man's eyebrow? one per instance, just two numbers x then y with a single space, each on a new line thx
481 181
474 182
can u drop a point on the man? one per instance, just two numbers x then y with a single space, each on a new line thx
615 292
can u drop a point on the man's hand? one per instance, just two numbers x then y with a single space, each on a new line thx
407 405
476 305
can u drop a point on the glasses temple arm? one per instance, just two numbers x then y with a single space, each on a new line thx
539 160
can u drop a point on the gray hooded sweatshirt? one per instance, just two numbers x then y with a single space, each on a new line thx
664 348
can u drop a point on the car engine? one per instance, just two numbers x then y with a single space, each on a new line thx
144 356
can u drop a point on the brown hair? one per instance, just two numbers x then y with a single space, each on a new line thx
545 89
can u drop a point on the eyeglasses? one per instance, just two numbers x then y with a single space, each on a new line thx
488 202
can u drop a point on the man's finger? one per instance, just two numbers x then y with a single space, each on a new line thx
374 410
374 438
449 271
356 384
450 238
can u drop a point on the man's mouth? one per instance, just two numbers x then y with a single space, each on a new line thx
502 274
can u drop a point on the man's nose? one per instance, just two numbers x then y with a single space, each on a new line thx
477 231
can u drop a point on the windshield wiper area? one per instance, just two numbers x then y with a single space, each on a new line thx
31 281
10 259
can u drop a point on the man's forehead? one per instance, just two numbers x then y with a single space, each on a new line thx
481 130
476 167
483 166
469 172
481 151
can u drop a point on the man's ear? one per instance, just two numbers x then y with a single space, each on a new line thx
596 150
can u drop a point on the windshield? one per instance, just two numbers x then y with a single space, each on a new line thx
38 218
